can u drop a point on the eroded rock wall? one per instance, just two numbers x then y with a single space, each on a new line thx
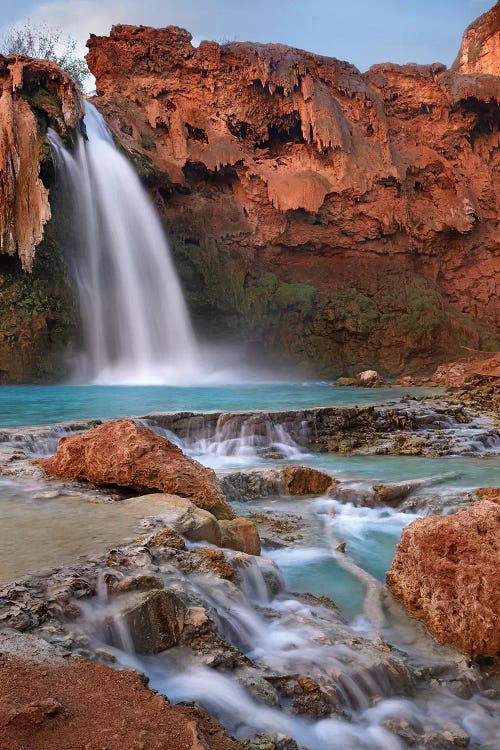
344 220
35 299
480 49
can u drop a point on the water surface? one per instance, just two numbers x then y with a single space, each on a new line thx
38 404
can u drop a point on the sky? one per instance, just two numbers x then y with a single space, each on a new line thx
364 32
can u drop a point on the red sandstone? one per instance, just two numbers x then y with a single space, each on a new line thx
446 573
127 454
379 191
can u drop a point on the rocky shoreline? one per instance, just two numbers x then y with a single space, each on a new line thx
172 590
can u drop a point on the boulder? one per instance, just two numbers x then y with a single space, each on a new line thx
185 518
127 454
242 486
302 480
345 382
240 534
368 378
446 573
392 493
148 623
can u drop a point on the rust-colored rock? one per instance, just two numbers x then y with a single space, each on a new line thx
480 50
446 573
28 85
240 534
84 705
489 493
348 220
127 454
303 480
35 300
473 369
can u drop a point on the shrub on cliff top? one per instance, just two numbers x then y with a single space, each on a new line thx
46 43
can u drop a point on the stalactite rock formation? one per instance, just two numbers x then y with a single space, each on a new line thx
29 87
347 220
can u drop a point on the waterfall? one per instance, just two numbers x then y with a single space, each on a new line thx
135 324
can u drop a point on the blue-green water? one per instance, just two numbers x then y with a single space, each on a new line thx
30 405
464 471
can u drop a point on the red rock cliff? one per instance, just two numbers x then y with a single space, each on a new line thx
480 50
343 219
35 300
28 86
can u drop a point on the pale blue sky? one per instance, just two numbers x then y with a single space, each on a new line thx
361 31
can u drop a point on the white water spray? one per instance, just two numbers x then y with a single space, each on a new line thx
136 327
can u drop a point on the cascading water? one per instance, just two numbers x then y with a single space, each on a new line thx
136 327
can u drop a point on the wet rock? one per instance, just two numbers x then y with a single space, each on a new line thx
127 454
240 534
244 486
258 687
153 621
446 573
394 492
303 480
209 560
139 581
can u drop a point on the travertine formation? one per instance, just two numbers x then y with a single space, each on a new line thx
446 573
347 220
36 305
29 88
128 455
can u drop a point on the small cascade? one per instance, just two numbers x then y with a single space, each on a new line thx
135 324
282 636
234 440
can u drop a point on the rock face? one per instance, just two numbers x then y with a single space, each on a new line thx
35 301
345 220
446 574
127 454
29 88
471 370
480 50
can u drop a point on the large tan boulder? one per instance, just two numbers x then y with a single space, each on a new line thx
446 573
186 518
127 454
240 534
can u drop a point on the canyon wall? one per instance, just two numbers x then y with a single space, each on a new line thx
337 219
36 312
